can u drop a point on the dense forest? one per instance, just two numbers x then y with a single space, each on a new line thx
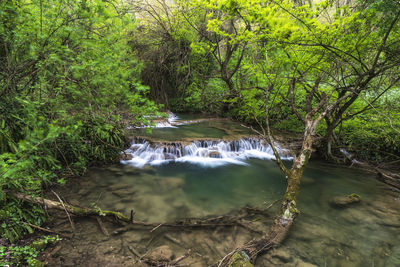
75 74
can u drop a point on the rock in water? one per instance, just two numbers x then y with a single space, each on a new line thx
214 154
300 263
171 183
127 192
344 201
162 253
126 156
283 255
240 259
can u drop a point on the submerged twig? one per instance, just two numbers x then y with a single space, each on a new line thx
47 230
102 228
69 217
181 258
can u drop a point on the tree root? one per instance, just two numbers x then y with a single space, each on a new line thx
247 254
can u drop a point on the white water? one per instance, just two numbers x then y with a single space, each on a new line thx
168 123
172 118
206 153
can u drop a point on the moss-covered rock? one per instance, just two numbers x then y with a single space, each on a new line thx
343 201
240 259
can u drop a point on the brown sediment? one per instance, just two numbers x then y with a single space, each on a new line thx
210 230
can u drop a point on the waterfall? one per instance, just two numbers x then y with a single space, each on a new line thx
158 122
208 153
167 123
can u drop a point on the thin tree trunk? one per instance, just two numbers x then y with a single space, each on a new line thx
327 151
246 255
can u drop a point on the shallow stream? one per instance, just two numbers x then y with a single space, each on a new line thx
363 234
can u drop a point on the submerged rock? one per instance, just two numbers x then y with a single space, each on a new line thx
124 192
343 201
162 253
130 170
214 154
171 183
83 191
282 255
240 259
119 186
300 263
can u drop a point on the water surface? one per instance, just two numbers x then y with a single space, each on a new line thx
365 234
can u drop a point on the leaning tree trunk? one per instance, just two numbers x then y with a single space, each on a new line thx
244 256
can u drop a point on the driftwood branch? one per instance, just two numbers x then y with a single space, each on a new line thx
222 220
77 211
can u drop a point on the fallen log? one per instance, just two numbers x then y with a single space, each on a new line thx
223 220
78 211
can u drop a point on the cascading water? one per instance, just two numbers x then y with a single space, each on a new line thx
209 153
168 123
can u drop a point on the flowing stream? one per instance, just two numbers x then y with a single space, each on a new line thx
215 170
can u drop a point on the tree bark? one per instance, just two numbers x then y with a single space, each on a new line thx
327 142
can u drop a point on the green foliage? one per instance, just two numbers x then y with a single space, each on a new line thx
311 66
205 96
26 255
69 84
15 217
372 137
